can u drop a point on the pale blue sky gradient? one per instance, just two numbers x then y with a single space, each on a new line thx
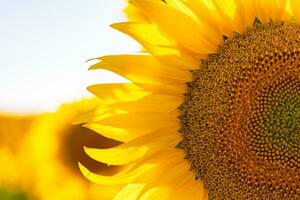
44 45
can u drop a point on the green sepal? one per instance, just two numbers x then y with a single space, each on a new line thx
256 22
179 145
225 38
202 61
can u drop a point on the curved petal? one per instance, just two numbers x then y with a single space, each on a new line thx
136 149
180 5
118 179
159 46
118 155
151 103
129 192
142 68
111 132
295 5
111 93
185 30
141 121
245 14
172 89
271 9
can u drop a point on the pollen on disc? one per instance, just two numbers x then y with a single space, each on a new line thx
241 116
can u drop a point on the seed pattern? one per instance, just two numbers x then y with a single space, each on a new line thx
241 116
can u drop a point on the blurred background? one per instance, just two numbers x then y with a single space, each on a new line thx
44 46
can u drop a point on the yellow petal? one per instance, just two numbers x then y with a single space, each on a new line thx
140 148
117 155
295 5
97 114
159 46
129 192
118 134
111 93
271 9
179 4
134 14
225 8
172 89
117 179
245 14
126 127
210 15
142 68
151 103
182 28
141 121
156 193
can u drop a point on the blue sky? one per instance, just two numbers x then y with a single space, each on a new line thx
44 45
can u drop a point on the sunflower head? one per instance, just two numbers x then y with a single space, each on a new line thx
245 123
213 108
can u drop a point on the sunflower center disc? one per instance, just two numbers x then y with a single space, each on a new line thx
241 116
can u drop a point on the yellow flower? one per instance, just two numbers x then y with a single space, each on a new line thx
51 152
13 130
213 108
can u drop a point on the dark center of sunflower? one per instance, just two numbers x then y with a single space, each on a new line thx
241 116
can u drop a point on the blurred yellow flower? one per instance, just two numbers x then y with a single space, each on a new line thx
232 69
13 183
52 150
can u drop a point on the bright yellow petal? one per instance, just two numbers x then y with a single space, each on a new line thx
245 14
141 120
111 93
180 5
118 155
151 103
184 30
142 68
295 5
159 46
271 9
156 193
172 89
111 132
134 150
116 179
130 192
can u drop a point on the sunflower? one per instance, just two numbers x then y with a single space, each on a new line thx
13 130
52 149
213 107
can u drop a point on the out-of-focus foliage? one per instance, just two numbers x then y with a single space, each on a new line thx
11 195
